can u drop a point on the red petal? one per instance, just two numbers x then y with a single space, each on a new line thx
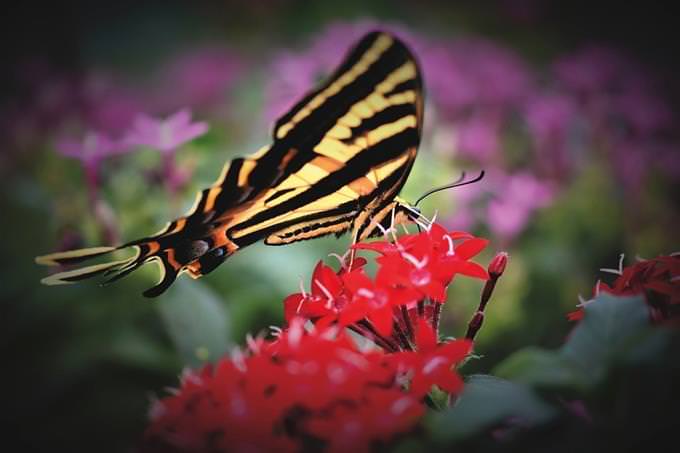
420 385
377 246
291 305
470 248
329 279
353 312
355 280
576 315
426 337
472 270
316 275
403 296
455 350
357 263
435 290
382 320
455 235
448 380
662 287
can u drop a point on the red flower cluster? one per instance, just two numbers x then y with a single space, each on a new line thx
305 388
413 271
314 388
658 279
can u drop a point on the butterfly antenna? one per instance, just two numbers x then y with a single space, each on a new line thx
458 183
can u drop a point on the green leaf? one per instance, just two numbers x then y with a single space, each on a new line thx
613 329
486 401
196 321
608 330
538 367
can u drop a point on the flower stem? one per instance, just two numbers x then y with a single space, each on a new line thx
366 324
496 268
373 338
421 307
478 318
102 212
407 323
401 336
436 315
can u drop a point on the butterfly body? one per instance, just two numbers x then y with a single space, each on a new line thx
337 163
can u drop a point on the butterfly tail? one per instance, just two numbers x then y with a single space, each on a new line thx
172 262
144 251
76 257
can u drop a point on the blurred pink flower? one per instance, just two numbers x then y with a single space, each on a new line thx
618 99
633 157
446 77
643 111
165 135
94 147
553 120
549 116
504 202
109 104
474 73
478 138
592 69
516 198
90 151
299 72
200 78
628 161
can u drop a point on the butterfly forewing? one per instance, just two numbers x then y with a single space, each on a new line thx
338 159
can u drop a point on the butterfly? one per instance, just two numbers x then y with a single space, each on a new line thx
337 162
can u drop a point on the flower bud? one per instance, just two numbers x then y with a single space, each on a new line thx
497 265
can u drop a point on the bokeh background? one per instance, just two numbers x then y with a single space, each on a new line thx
570 108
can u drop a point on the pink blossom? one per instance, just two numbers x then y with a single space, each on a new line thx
478 137
297 72
91 149
472 73
165 135
592 69
645 112
109 105
552 121
200 78
516 198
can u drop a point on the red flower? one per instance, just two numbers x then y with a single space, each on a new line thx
658 279
328 297
428 261
431 363
279 393
354 428
317 387
413 272
374 301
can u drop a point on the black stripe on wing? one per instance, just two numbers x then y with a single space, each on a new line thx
356 167
305 135
353 56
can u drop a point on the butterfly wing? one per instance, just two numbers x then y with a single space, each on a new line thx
338 157
355 140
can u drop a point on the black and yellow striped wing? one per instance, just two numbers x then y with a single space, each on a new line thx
337 162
